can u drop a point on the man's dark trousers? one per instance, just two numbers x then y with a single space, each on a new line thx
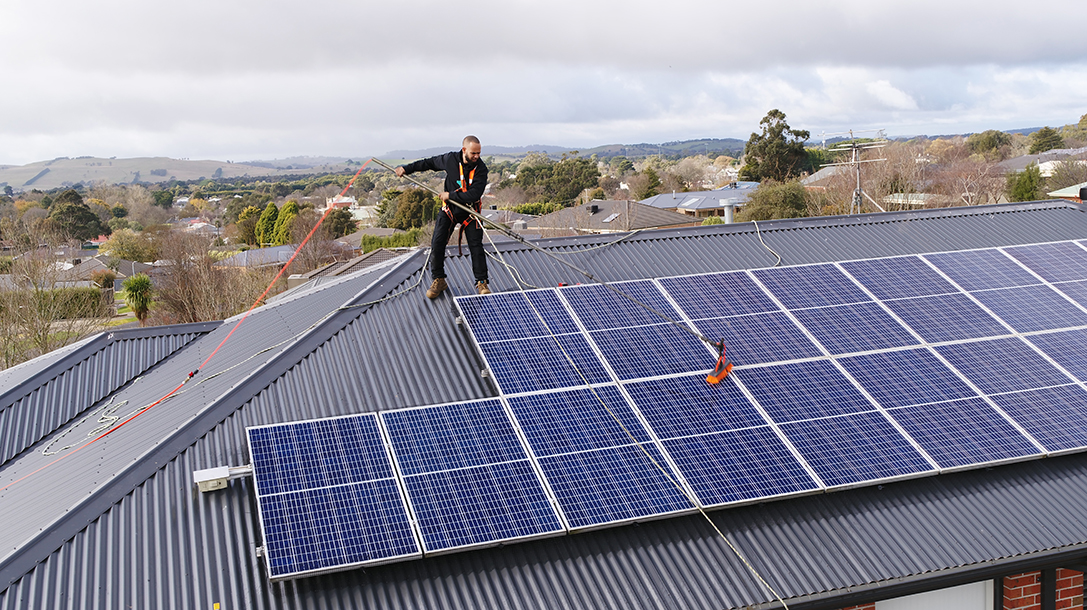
473 233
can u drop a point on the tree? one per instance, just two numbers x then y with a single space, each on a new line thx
775 154
266 225
989 144
247 225
1068 172
775 200
68 196
338 223
131 246
1045 139
284 221
74 220
138 293
646 184
1025 185
413 208
163 199
563 182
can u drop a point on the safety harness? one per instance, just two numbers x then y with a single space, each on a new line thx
478 206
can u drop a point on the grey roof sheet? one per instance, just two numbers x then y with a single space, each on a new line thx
120 524
611 216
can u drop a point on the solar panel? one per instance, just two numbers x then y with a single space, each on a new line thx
1056 417
963 432
738 465
897 278
810 286
601 472
531 365
851 449
854 328
516 315
1002 365
948 317
685 406
1032 308
718 294
1068 349
758 338
468 479
904 378
1077 291
328 497
982 269
600 308
650 351
803 390
719 441
1061 262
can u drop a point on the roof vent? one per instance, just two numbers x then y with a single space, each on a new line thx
593 209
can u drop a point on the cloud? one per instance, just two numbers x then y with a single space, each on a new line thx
242 79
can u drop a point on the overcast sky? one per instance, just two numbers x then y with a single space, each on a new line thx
246 79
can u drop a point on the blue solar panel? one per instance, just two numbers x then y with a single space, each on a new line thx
855 328
650 351
1002 365
452 436
328 497
597 467
897 278
1032 308
565 422
759 338
613 485
480 506
1076 290
510 315
600 308
1056 417
332 528
948 317
963 432
855 448
718 294
738 465
683 406
318 453
468 479
1061 262
1068 349
908 377
539 364
811 286
982 269
803 390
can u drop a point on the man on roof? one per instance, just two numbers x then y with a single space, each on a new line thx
465 181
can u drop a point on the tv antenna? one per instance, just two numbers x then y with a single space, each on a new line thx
856 148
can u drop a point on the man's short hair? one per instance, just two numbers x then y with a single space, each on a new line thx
469 140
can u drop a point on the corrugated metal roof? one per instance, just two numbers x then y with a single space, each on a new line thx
121 524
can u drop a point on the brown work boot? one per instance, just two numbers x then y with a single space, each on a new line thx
482 288
436 288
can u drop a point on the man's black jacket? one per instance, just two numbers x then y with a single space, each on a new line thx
450 163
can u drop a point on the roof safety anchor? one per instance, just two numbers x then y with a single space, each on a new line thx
211 479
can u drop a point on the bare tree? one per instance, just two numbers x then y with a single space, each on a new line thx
191 287
41 309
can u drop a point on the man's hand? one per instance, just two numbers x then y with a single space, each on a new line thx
399 172
445 196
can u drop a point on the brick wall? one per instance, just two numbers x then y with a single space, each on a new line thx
1024 591
1069 589
862 607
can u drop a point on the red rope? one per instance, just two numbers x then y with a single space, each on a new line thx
215 351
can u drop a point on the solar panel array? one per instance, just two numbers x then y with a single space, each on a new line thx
845 374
